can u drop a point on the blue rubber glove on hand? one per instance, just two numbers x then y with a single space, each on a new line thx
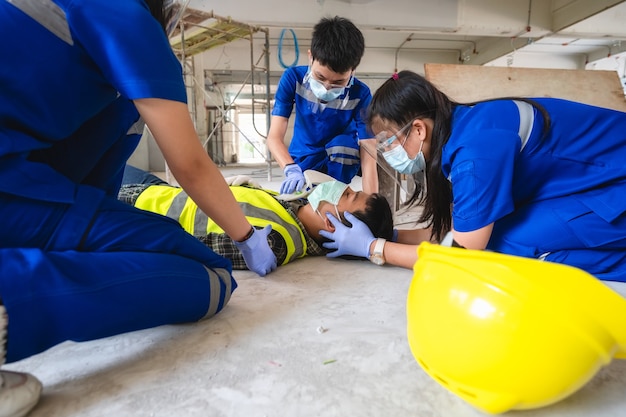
257 253
294 180
355 240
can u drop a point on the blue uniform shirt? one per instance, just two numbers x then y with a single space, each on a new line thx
315 123
498 160
68 123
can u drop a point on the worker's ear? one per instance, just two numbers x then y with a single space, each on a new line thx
420 128
328 225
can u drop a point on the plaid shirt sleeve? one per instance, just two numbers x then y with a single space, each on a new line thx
130 192
224 245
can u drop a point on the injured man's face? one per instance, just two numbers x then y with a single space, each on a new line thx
342 198
350 200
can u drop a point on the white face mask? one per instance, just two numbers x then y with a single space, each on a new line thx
400 161
330 191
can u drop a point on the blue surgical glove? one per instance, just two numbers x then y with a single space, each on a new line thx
394 238
257 253
294 180
355 240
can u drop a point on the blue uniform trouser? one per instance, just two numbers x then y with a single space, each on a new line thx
340 159
133 175
564 230
97 268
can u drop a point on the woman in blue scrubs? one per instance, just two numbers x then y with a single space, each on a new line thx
76 87
541 178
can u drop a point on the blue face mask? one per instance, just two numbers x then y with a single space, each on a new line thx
400 161
330 191
320 91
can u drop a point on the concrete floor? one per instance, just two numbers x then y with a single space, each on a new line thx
317 337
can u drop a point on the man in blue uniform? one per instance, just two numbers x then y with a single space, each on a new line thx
75 263
329 103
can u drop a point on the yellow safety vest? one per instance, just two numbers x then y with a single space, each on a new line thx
259 207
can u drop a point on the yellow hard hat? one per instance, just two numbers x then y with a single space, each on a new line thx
504 332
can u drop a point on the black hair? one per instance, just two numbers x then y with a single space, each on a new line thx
338 44
408 96
161 13
377 216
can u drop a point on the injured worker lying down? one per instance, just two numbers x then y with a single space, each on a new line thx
295 219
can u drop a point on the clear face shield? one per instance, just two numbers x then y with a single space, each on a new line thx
376 148
173 12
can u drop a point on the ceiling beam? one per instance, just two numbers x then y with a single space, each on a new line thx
618 48
562 18
577 11
492 48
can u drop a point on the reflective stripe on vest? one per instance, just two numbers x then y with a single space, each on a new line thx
259 207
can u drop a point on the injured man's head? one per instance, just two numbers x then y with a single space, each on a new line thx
335 197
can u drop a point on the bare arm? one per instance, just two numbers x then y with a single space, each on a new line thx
173 130
400 254
476 239
404 252
276 141
369 172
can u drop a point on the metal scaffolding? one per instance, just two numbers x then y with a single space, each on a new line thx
199 31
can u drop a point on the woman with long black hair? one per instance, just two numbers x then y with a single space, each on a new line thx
541 178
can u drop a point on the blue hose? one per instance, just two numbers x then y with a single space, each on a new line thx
280 48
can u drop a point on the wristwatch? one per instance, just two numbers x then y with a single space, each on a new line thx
377 256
